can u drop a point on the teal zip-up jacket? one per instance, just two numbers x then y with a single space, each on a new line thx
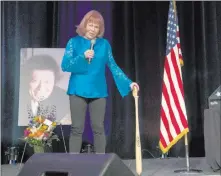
88 80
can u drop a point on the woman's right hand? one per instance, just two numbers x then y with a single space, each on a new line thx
89 54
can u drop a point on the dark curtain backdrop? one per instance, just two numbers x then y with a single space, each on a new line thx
139 42
137 31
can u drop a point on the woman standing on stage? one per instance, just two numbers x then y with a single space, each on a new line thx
86 56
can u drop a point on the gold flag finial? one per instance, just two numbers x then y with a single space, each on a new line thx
174 7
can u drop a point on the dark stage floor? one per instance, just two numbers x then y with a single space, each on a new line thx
151 167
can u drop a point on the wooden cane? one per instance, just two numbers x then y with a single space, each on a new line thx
137 135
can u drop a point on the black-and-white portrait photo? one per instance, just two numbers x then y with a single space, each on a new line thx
42 86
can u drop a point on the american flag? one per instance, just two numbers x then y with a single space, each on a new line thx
173 124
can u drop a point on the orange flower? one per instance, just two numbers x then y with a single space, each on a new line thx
38 133
31 135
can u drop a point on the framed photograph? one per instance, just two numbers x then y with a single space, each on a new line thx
43 86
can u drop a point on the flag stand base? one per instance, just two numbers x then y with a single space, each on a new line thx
188 171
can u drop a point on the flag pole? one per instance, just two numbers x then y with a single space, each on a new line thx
187 170
187 153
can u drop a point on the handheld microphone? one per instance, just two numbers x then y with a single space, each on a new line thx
92 46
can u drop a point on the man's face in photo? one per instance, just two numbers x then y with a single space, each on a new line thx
41 84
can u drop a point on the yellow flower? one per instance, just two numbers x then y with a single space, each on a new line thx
54 124
41 119
36 118
44 127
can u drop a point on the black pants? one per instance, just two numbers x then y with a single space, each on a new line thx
97 108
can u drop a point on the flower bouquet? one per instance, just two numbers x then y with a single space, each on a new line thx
39 133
